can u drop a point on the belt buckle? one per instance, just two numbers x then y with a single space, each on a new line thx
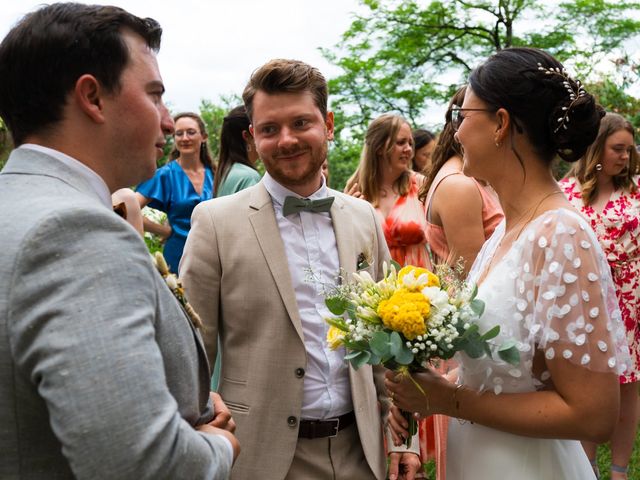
336 428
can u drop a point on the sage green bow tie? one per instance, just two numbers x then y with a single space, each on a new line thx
297 205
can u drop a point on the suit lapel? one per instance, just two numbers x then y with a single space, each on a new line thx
263 222
343 228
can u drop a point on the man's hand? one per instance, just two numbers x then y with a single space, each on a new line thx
221 414
207 428
403 466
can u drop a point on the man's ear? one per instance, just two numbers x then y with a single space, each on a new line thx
88 95
329 123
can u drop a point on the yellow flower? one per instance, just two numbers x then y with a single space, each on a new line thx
417 278
406 312
335 337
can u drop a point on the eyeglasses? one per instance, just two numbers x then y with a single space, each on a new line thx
457 118
191 132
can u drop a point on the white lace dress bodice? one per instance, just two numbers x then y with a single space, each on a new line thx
552 291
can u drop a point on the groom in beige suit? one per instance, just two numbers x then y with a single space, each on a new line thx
255 265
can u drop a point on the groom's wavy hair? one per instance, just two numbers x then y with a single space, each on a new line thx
43 56
287 76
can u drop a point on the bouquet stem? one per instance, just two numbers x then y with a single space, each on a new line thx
408 416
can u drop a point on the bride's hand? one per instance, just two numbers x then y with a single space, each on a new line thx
437 396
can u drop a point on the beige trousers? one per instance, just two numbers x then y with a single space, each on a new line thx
337 458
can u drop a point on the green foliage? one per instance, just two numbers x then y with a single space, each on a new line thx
405 55
213 114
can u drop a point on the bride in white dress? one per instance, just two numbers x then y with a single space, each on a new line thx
544 279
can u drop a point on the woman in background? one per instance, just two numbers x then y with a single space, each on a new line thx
462 213
603 186
384 179
238 156
423 143
179 186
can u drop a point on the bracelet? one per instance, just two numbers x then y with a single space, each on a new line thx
456 401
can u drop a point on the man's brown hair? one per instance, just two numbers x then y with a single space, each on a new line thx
286 76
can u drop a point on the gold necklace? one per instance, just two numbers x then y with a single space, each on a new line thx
534 212
535 209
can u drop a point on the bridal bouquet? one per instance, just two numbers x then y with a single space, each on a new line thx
410 318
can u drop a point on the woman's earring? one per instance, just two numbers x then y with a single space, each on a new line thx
498 144
598 166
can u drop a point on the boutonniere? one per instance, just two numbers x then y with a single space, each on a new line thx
175 285
364 260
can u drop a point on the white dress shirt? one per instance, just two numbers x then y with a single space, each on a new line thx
311 249
97 183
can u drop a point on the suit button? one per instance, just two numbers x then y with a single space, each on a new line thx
299 372
292 421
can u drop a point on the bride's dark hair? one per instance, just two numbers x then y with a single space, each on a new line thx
558 116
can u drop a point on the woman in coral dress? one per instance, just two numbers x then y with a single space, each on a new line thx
384 178
603 186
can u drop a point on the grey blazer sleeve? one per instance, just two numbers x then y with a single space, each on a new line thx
82 328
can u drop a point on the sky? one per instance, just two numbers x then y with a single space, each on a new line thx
210 47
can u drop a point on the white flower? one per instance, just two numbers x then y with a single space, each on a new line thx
171 281
436 296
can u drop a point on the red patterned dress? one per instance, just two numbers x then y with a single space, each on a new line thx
618 229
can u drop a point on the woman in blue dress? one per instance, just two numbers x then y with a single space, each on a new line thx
179 186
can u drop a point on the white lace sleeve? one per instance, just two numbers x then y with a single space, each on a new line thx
566 295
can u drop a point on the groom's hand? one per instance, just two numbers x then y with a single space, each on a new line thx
221 414
404 466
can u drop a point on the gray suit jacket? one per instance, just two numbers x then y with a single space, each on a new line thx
101 373
237 277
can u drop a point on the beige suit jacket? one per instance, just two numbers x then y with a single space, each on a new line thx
237 277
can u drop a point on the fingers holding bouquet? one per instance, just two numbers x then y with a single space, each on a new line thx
425 392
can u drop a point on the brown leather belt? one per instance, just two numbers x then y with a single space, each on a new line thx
325 428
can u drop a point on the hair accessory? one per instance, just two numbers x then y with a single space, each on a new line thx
598 166
573 87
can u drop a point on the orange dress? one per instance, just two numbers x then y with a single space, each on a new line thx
436 445
404 228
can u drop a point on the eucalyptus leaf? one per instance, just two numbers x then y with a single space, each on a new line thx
405 356
361 360
477 306
380 344
510 355
396 343
508 344
493 333
474 348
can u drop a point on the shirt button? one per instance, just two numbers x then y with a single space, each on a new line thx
292 421
299 372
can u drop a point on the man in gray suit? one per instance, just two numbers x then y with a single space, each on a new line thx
102 375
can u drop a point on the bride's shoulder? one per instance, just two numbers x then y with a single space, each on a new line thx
559 222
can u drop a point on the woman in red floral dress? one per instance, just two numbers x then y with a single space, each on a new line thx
603 186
